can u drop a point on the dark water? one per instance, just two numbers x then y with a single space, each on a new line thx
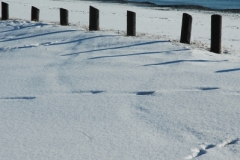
230 5
212 4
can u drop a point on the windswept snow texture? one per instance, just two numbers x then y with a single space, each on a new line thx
71 94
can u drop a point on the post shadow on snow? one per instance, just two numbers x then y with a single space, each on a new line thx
228 70
136 54
18 98
180 61
83 39
24 27
78 41
38 35
120 47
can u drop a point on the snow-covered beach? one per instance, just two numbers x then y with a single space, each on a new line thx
163 23
67 93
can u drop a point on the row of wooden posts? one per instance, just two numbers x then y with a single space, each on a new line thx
216 24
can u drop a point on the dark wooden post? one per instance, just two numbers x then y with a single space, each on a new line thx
35 14
216 33
131 23
63 16
5 11
186 28
93 19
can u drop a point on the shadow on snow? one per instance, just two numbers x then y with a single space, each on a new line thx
112 48
228 70
181 61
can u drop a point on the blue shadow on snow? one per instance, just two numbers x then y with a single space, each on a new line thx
228 70
112 48
180 61
18 98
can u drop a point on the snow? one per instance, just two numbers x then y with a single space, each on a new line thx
67 93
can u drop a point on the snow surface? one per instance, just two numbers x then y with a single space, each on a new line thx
67 93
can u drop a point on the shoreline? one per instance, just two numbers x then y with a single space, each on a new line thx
174 7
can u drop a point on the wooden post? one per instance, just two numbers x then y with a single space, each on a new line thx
93 19
131 23
216 33
186 28
63 16
35 14
5 11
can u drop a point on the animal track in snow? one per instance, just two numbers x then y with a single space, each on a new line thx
228 142
208 88
139 93
30 45
37 44
196 152
48 43
42 44
145 93
91 92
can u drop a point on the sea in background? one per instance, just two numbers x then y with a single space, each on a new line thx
194 4
212 4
